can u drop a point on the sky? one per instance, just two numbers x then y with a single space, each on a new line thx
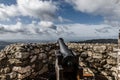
51 19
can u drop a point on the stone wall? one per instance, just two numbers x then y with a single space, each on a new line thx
26 61
100 58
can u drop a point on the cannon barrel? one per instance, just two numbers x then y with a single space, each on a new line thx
64 49
67 63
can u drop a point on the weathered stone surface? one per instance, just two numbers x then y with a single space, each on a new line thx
2 56
18 55
97 55
33 58
22 69
114 69
107 66
37 51
104 73
111 61
3 77
84 55
7 70
90 53
42 56
20 61
13 75
14 61
22 55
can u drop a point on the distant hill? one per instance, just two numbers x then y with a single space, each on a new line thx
3 44
97 41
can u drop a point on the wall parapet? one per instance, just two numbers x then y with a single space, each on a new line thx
23 61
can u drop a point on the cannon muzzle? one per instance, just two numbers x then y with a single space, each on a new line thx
64 49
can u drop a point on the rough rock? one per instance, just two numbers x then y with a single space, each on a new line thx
27 61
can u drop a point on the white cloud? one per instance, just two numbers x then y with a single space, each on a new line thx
47 24
61 19
44 10
109 9
67 31
113 23
33 28
104 30
37 8
101 7
7 12
83 31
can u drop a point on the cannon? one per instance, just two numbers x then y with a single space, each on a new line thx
67 63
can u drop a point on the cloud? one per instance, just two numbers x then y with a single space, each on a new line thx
113 23
103 30
19 28
43 31
47 24
86 31
37 8
61 19
109 9
11 28
44 10
7 12
95 7
32 28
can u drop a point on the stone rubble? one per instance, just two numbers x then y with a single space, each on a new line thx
22 61
26 61
100 58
